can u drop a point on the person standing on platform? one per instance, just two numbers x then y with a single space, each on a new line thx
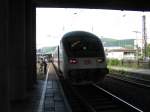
45 66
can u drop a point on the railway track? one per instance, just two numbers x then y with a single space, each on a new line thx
103 101
132 80
73 101
92 98
133 92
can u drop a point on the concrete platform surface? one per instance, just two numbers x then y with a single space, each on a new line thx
45 96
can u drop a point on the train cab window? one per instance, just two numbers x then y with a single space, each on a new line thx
75 43
84 47
78 46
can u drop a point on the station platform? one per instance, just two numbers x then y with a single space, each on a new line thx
133 70
140 73
53 101
45 97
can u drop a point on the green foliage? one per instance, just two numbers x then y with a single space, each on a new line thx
46 50
113 62
128 63
127 43
148 50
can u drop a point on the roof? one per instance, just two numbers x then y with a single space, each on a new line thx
134 5
79 34
122 50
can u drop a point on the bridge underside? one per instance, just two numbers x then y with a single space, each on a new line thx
138 5
18 40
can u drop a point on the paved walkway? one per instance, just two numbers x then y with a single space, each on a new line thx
53 98
45 97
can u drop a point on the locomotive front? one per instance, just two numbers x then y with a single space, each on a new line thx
84 58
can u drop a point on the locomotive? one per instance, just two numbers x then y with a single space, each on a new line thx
80 58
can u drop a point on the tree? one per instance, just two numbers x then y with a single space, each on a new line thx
148 50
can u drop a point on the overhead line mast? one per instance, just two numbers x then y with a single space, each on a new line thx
144 35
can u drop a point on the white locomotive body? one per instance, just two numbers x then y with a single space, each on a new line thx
81 58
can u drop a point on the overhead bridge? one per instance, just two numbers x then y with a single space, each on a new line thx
18 41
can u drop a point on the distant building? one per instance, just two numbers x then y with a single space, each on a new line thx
120 53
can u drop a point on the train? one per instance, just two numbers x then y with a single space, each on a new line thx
80 58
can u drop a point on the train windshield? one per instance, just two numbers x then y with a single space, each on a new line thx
84 47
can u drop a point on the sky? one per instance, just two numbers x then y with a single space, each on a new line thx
53 23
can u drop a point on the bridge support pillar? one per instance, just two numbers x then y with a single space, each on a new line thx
4 76
30 44
16 47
